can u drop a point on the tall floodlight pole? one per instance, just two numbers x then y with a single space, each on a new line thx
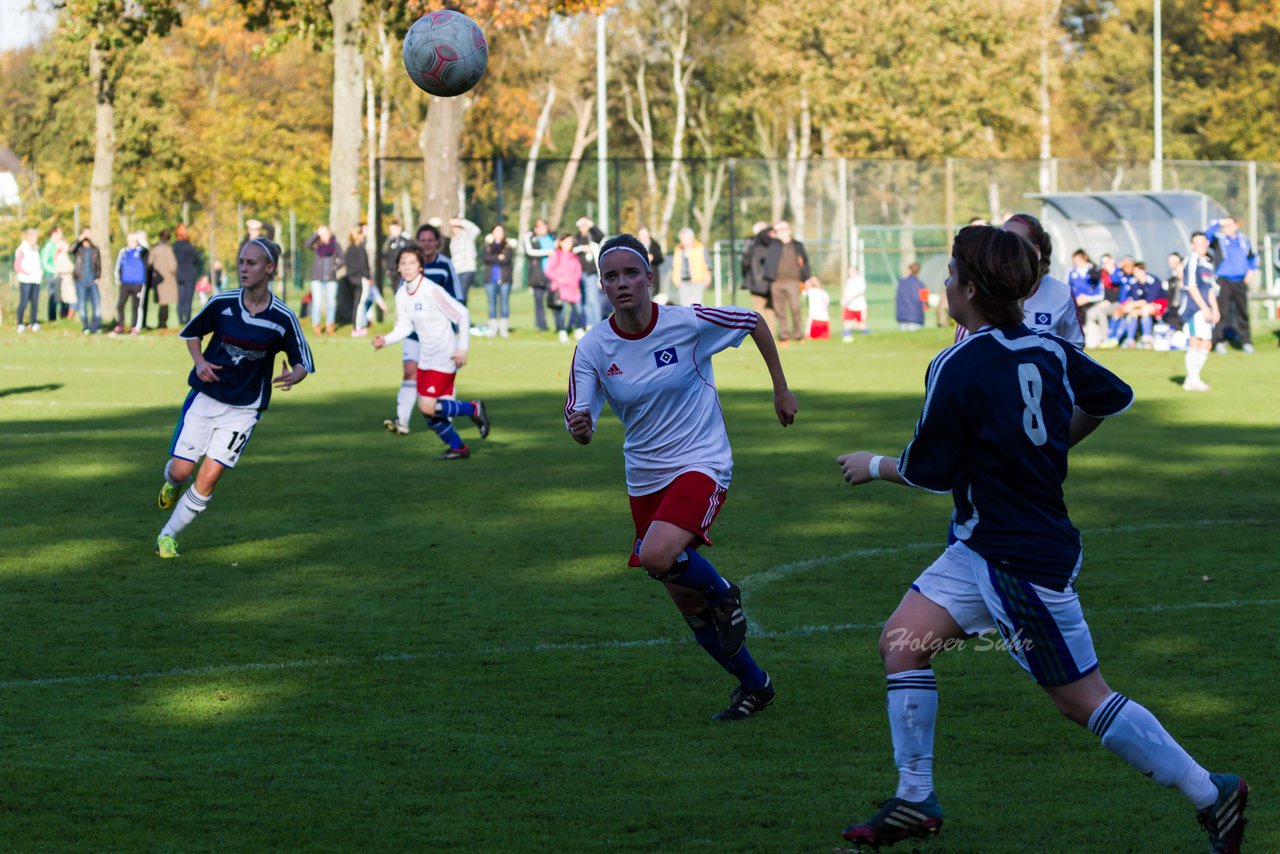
1157 158
602 126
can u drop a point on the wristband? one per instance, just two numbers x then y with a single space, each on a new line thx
875 466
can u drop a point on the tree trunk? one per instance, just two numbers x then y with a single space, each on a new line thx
530 173
584 135
440 142
681 71
798 152
769 149
104 152
348 97
643 127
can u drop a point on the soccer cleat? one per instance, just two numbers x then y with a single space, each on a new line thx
481 418
743 703
462 453
897 820
168 495
395 425
1224 820
730 622
166 546
1196 385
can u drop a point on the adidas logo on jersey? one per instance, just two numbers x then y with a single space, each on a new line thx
227 311
614 370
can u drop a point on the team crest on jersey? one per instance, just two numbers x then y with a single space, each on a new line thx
239 354
614 370
666 356
1044 318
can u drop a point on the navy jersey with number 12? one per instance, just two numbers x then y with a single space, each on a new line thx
995 430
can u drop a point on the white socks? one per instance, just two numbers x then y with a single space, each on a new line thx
190 505
1133 733
1195 360
913 709
406 397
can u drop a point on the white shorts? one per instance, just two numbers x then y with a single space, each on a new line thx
1199 327
409 350
208 428
1043 629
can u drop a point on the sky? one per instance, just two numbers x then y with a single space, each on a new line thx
20 25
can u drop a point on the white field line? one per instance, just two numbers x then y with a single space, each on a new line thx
53 434
43 369
88 407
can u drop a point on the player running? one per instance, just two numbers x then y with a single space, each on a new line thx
230 384
653 365
425 309
1001 409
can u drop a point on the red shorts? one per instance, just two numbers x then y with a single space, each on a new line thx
691 501
854 315
435 383
819 329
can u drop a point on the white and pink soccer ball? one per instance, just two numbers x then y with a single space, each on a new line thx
445 53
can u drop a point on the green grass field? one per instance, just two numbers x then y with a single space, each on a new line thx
363 648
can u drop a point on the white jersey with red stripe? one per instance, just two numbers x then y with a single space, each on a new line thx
1050 309
424 307
660 385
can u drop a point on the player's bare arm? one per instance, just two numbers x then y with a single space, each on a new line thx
460 358
784 402
1082 425
289 377
205 370
580 427
856 468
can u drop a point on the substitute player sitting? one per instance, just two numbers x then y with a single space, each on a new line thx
230 384
653 365
1001 409
442 325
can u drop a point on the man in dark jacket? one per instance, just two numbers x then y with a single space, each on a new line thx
88 272
753 257
188 271
786 266
396 240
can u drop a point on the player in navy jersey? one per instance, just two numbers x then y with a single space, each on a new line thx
436 268
653 365
230 384
1001 410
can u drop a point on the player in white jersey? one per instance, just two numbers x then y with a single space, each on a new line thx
1001 411
231 384
442 326
653 365
1050 307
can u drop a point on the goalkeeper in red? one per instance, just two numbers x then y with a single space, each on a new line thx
1001 409
652 364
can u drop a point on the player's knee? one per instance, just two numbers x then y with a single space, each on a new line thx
656 561
427 405
899 652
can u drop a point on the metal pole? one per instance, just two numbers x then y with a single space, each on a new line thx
499 176
293 252
377 223
733 236
842 214
1157 63
602 126
1254 229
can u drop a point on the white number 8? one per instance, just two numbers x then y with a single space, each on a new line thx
1031 385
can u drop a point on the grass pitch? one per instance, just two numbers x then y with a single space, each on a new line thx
361 647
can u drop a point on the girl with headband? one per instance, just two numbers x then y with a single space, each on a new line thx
653 365
230 383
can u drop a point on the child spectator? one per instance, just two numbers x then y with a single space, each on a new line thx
853 302
818 303
564 272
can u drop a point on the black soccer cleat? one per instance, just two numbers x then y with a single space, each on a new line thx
744 703
463 453
898 820
1224 819
730 622
481 418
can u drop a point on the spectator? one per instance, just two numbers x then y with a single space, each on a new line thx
786 265
853 303
88 272
1147 301
655 256
26 264
462 251
818 303
253 230
909 310
188 272
64 268
1118 295
164 277
51 282
396 240
565 277
538 246
1237 266
359 283
753 257
131 277
585 245
1107 269
326 261
499 251
1085 281
690 268
217 277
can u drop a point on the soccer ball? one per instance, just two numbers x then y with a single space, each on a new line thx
445 53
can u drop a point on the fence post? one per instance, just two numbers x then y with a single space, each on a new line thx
1254 229
950 201
293 252
842 215
498 177
733 236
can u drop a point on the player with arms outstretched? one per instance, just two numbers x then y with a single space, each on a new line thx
653 365
1001 410
230 384
425 309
